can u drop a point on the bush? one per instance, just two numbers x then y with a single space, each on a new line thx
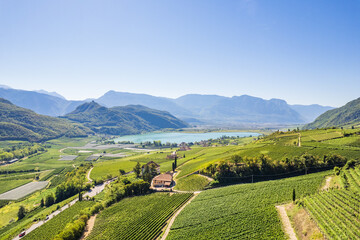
337 171
74 230
96 208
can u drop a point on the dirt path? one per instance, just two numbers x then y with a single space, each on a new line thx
88 175
89 227
175 215
286 222
208 178
327 183
61 150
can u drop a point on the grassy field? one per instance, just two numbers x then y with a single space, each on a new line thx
245 211
140 217
194 182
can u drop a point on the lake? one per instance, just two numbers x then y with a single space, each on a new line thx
177 137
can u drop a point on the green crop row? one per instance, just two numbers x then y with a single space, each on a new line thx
336 213
244 211
140 217
57 224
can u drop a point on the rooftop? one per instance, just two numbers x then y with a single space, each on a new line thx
163 177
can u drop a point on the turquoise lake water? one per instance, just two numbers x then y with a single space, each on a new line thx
177 137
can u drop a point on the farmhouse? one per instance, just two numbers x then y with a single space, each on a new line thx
173 155
162 180
151 163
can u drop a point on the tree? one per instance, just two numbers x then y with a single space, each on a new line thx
236 159
21 212
293 195
80 197
137 169
42 203
121 171
49 200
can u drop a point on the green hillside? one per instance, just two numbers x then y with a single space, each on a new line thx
348 114
130 119
18 123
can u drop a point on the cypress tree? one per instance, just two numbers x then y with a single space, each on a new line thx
293 195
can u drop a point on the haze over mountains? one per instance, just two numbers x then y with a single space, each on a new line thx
193 108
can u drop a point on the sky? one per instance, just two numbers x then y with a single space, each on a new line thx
304 52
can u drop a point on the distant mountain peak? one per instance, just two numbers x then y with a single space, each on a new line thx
54 94
5 86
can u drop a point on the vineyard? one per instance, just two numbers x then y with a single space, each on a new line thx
58 223
194 182
140 217
337 212
244 211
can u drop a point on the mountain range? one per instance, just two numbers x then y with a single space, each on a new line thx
131 119
193 108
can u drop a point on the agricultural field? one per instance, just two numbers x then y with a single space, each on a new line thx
58 223
15 227
7 185
194 182
278 147
336 213
140 217
23 190
244 211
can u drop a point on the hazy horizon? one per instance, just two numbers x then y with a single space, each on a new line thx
304 52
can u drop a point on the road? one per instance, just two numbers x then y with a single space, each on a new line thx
94 191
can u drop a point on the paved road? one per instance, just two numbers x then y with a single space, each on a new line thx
94 191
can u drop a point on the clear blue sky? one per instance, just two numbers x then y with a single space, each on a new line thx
301 51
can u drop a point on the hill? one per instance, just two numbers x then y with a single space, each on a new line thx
22 124
348 114
130 119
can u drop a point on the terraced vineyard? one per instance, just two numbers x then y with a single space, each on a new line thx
140 217
244 211
58 223
337 212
